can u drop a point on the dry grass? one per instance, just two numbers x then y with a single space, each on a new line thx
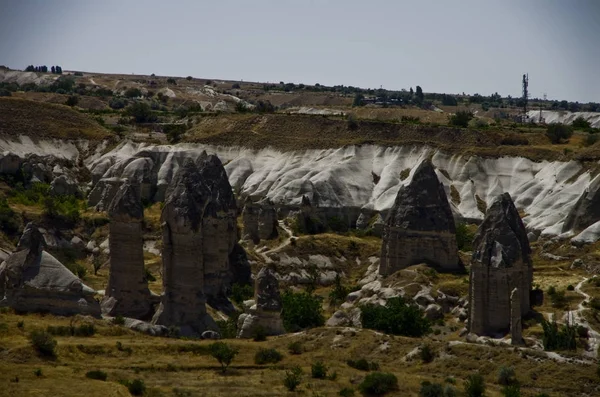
170 366
45 120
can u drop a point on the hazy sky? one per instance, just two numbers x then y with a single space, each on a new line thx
456 46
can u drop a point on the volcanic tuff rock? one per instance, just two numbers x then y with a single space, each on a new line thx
501 262
420 226
199 238
32 280
586 210
266 313
260 220
127 291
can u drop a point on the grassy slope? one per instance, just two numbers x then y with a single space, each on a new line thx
45 120
297 132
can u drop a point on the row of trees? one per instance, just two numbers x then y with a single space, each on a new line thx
44 69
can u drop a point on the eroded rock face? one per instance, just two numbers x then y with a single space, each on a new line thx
586 210
260 220
266 312
127 292
420 227
516 326
199 237
32 280
501 262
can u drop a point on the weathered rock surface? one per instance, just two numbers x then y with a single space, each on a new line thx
516 326
64 186
32 280
586 210
501 262
127 292
260 220
420 226
199 237
266 313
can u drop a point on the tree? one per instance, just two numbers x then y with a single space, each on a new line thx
339 292
419 95
475 386
72 100
140 111
133 93
358 99
223 353
53 70
397 317
301 310
461 118
557 133
580 123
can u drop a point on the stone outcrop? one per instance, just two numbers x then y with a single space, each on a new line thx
199 240
260 220
62 185
266 312
501 262
127 292
516 326
420 227
586 210
32 280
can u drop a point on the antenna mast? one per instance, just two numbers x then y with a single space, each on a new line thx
525 92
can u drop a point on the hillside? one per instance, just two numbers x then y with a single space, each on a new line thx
44 120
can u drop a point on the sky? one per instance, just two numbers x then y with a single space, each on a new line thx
471 46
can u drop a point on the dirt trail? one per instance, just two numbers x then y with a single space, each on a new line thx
576 317
284 243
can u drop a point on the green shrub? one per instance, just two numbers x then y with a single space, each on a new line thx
318 370
133 93
558 133
427 353
8 218
363 365
559 339
241 292
512 390
570 288
506 376
580 123
464 237
137 387
461 118
38 373
267 356
43 343
223 353
97 375
475 386
301 311
141 112
559 300
397 317
378 383
410 119
117 103
72 330
591 139
295 347
429 389
346 392
259 334
293 378
339 292
228 328
172 81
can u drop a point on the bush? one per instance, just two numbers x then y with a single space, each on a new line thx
141 112
8 218
558 133
241 292
267 356
72 100
228 328
259 334
137 387
241 107
410 119
514 140
346 392
264 107
580 123
72 330
4 92
172 81
429 389
133 93
464 237
295 347
570 288
461 118
318 370
43 343
559 339
339 292
512 390
351 122
301 311
223 353
97 375
378 383
591 139
293 378
397 317
38 373
427 354
363 365
558 299
475 386
506 376
117 103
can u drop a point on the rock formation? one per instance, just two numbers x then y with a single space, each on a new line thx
127 291
516 326
501 262
586 210
260 220
266 312
420 226
199 240
32 280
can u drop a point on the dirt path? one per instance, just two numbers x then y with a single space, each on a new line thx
284 243
576 317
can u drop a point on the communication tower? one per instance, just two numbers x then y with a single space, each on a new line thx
525 92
